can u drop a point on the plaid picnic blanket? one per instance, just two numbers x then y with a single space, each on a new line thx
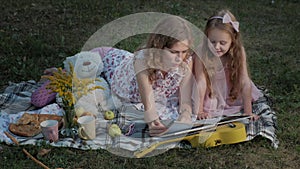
16 97
266 125
121 145
15 101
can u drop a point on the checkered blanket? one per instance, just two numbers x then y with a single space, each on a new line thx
16 97
266 125
15 101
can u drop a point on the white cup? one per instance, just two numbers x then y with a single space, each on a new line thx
87 127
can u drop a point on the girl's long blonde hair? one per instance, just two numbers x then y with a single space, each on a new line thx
235 53
168 31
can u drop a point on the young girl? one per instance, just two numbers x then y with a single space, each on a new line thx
155 75
229 88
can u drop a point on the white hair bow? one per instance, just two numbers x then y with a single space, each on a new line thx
227 19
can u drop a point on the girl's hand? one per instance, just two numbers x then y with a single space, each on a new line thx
203 115
253 117
156 128
185 118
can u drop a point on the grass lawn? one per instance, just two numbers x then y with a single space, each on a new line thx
36 35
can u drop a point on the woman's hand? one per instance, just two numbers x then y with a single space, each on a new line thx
156 128
203 115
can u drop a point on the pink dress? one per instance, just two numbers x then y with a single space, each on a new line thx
221 105
120 74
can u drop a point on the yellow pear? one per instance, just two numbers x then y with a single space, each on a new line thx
109 115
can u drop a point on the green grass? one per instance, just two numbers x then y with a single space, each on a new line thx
39 34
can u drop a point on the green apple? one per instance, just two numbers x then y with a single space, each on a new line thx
114 130
109 115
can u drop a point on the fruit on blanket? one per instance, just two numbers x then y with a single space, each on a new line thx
79 111
114 130
109 115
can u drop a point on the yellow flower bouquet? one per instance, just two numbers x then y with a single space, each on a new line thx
70 89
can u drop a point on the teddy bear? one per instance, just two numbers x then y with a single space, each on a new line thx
89 64
86 64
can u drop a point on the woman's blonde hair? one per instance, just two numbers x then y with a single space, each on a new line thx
235 52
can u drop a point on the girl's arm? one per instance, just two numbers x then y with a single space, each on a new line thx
146 92
186 86
201 87
246 86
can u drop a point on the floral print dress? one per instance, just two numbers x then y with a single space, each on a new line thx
120 74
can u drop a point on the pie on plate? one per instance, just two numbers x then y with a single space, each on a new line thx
29 124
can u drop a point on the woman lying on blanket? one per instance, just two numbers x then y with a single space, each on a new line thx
155 75
235 90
